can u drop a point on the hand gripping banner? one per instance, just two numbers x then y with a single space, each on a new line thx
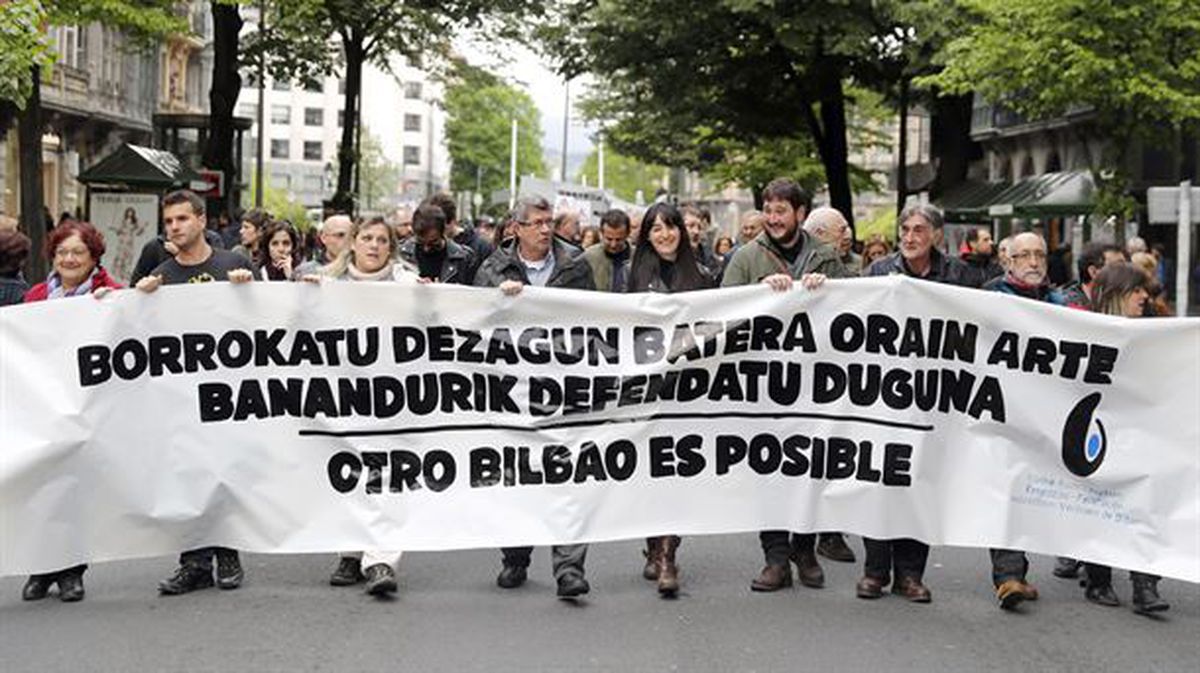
304 418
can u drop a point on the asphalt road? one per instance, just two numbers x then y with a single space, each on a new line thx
450 616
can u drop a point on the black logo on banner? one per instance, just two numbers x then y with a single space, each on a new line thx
1082 448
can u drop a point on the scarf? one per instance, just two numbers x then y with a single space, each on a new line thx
57 291
383 274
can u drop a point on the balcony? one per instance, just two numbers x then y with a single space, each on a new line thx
991 120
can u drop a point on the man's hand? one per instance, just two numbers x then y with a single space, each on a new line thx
812 281
780 282
511 288
101 292
171 248
149 283
239 276
314 278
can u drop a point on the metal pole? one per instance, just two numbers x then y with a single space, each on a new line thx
600 177
512 168
1183 252
566 125
262 131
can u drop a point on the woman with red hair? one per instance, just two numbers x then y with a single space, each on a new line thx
74 250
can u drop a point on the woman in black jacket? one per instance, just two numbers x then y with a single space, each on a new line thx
663 262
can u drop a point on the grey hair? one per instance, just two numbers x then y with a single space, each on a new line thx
528 203
823 219
931 213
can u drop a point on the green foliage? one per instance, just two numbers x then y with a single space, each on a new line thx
623 176
23 45
742 88
480 108
281 206
1134 67
881 223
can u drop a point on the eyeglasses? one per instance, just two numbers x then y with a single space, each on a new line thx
537 224
1035 255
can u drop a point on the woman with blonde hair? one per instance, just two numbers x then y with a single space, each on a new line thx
370 256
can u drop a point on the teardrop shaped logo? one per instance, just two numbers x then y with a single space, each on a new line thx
1084 442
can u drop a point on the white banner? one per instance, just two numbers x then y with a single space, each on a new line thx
301 418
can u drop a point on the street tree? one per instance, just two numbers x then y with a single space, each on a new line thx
1132 68
480 108
24 24
690 84
379 177
306 40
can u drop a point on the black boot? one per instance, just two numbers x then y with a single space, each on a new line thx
1067 568
1102 594
70 586
348 573
37 587
1145 596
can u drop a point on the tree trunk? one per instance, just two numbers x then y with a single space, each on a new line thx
343 199
951 147
226 85
902 149
833 145
29 142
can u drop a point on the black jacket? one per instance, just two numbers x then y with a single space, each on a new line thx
459 267
943 269
571 270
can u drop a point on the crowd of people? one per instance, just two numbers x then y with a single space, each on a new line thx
665 249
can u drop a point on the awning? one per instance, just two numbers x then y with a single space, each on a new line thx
1048 195
138 166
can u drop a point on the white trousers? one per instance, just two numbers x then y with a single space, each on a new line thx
370 558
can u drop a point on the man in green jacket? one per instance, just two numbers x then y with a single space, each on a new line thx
781 253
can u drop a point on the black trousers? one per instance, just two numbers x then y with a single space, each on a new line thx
203 557
778 545
1101 575
1008 564
904 556
564 558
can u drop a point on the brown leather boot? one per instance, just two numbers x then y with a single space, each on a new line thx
653 551
668 572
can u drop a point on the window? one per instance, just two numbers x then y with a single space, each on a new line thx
341 118
312 150
412 90
71 41
341 87
250 79
281 114
280 148
412 155
412 122
314 183
248 110
314 87
281 180
314 116
281 86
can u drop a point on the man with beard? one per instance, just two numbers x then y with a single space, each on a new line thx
610 260
436 257
980 255
783 251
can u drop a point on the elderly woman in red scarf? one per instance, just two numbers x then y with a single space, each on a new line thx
74 250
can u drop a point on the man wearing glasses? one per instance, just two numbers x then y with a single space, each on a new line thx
1026 277
536 257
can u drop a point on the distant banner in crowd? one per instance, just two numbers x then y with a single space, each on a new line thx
303 418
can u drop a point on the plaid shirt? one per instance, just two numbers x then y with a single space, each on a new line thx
12 290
